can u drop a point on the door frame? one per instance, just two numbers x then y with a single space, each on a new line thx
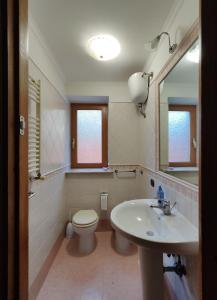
13 150
208 150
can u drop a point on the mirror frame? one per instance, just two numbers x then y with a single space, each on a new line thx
191 36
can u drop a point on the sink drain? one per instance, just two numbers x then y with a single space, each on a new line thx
150 233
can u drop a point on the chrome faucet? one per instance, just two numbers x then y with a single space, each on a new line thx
165 207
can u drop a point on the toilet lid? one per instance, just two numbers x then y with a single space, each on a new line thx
84 217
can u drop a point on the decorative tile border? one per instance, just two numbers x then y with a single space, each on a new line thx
188 190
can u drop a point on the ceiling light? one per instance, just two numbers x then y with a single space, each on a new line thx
193 55
103 47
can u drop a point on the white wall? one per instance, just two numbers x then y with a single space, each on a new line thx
123 130
47 211
178 23
123 119
40 54
82 191
116 91
187 200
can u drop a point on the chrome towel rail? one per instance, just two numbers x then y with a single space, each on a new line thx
123 173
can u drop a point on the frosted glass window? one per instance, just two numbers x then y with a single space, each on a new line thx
179 136
89 136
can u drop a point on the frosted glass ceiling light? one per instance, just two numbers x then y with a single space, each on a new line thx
103 47
194 54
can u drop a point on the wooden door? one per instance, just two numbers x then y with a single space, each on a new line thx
208 196
13 151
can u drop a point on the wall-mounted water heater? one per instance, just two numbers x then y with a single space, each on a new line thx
138 84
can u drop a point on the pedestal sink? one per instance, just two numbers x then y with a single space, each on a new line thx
155 234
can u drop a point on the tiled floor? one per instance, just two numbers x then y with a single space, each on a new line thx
102 275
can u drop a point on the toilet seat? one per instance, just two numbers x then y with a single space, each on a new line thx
85 218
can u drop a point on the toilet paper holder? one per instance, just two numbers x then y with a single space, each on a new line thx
104 201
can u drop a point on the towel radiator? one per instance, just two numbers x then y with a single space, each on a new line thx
34 128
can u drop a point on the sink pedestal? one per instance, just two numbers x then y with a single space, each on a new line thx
151 264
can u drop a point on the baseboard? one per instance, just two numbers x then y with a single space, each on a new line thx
39 280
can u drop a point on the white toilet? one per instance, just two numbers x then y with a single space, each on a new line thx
85 223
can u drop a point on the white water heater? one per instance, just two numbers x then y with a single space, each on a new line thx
138 84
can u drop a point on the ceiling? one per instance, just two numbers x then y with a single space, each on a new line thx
68 24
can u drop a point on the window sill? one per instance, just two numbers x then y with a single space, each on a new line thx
90 171
181 169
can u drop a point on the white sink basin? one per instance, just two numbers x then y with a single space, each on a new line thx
154 233
148 227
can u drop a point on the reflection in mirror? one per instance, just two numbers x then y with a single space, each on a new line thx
179 118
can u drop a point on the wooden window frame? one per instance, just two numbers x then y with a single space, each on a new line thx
193 132
74 109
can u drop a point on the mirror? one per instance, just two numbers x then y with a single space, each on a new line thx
179 94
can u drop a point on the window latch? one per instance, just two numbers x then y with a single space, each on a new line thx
194 143
22 125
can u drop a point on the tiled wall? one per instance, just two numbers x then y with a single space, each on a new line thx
47 211
187 204
186 198
83 190
147 132
184 15
47 217
55 141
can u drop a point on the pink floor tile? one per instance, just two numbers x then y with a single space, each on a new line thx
102 275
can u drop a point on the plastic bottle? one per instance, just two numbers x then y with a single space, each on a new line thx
160 196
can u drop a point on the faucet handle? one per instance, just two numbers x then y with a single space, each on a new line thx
174 204
167 208
166 202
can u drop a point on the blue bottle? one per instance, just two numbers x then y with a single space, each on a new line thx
160 196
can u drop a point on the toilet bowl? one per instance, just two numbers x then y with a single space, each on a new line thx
85 223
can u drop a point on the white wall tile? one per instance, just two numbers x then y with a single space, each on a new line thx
47 209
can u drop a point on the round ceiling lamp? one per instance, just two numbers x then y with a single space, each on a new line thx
103 47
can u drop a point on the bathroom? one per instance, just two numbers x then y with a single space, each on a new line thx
132 163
